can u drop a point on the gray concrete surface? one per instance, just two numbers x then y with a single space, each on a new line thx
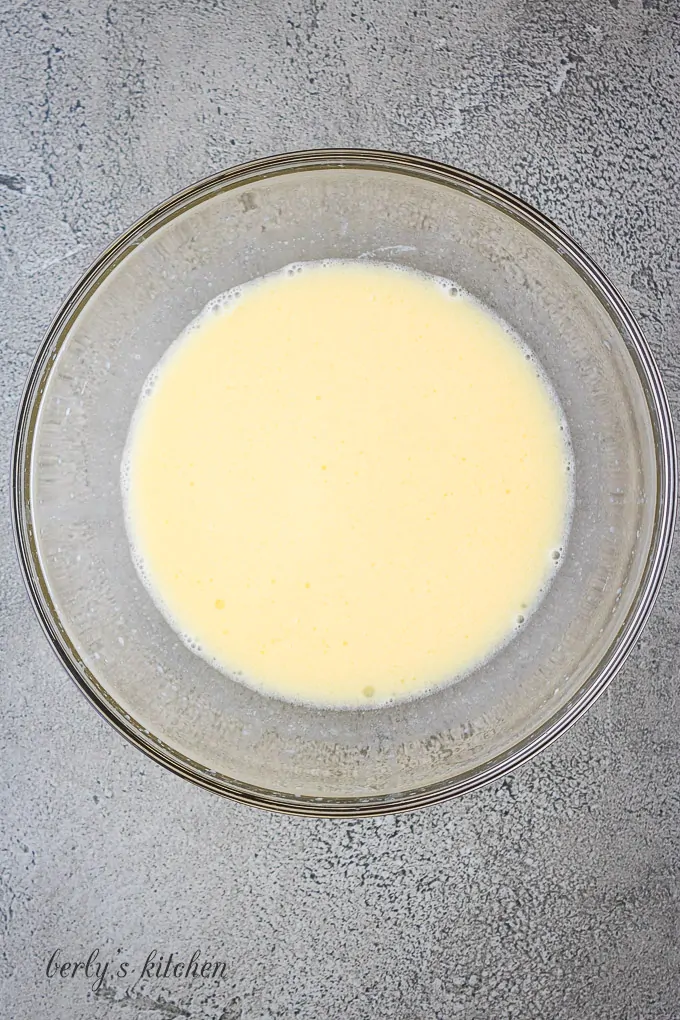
552 895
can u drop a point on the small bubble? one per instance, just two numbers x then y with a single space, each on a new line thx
556 555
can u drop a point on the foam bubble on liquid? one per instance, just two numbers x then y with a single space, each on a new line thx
220 304
450 289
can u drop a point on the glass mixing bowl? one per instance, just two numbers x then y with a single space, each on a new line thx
86 381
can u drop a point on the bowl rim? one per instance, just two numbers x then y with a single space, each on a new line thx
665 455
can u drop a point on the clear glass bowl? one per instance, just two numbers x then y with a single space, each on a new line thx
85 383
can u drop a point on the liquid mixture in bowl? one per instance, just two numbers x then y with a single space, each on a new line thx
347 483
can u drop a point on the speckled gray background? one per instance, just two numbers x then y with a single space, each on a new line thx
555 894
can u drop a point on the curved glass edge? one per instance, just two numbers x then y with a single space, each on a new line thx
632 626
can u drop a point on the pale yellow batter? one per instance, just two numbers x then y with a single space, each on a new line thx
347 484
